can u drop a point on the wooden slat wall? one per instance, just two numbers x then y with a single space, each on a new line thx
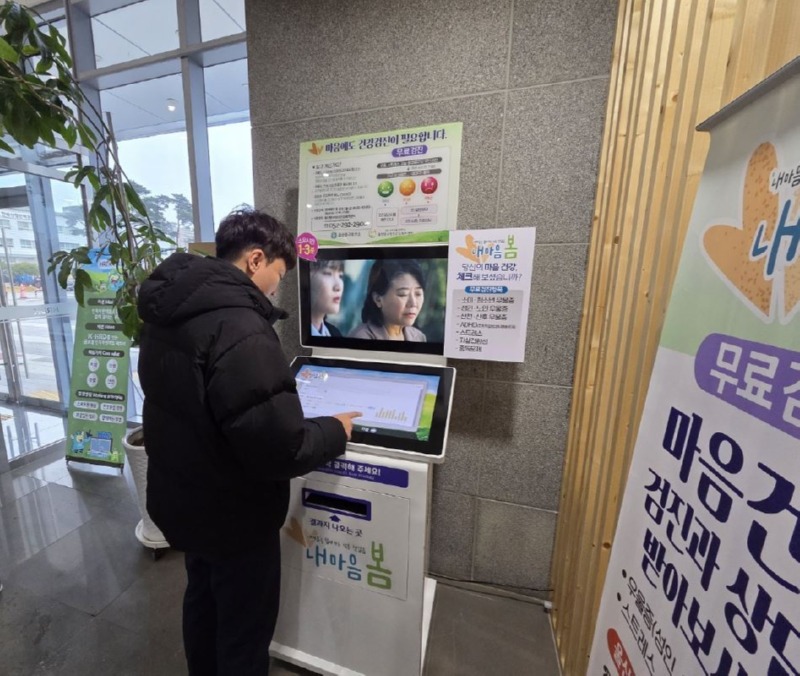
676 62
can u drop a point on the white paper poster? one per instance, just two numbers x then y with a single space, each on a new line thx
389 187
488 293
704 575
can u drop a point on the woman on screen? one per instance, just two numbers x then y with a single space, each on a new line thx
327 286
395 294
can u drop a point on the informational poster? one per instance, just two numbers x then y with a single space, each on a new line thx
351 536
99 388
488 293
704 575
384 188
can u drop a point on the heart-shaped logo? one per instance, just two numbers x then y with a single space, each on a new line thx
753 257
470 251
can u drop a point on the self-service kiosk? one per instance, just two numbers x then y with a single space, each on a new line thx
354 596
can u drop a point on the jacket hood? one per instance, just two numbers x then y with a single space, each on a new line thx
186 285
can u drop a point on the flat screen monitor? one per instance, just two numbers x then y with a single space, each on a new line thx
388 299
405 407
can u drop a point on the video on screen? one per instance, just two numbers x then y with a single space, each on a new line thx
387 298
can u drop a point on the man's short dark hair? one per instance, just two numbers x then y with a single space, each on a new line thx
246 229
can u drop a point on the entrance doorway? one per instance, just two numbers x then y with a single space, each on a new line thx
39 214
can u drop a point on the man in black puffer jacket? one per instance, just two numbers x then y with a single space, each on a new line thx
224 432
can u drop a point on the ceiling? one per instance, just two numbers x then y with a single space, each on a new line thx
151 27
140 29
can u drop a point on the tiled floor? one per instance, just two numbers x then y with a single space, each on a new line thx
83 597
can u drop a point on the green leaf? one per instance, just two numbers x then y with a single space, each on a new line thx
94 179
87 136
80 293
47 136
83 281
70 135
79 175
55 259
100 196
6 147
99 218
63 273
134 199
83 278
81 255
131 323
44 66
7 52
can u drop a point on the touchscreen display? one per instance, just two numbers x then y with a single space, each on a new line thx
404 407
395 404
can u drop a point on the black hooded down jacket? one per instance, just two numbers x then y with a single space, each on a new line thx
223 426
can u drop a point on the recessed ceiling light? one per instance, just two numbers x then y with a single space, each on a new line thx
172 105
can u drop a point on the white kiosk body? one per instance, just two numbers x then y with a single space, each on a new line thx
354 596
337 615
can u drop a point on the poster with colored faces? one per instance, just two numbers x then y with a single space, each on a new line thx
384 188
704 574
97 416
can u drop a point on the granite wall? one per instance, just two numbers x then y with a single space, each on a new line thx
529 81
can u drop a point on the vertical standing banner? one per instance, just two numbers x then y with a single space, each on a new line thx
385 188
704 576
488 293
99 388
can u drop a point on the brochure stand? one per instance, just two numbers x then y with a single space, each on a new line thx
354 596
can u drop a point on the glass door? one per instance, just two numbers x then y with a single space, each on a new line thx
39 214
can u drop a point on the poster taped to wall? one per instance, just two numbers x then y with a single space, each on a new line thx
489 286
389 187
704 575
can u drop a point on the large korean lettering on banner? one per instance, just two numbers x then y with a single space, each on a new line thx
704 576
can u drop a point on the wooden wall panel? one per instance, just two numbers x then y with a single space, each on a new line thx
676 62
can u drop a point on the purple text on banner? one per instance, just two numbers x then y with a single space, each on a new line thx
362 470
761 380
307 246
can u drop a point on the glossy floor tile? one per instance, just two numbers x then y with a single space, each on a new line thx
82 596
24 430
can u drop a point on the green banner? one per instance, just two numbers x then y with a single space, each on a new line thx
99 388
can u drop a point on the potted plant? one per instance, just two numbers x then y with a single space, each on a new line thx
41 102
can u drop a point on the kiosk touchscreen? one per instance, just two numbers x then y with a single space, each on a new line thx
405 407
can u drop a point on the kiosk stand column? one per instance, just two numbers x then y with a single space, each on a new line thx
354 598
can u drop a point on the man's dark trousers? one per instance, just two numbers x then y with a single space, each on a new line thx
229 611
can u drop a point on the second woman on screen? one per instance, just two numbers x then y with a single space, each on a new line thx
394 299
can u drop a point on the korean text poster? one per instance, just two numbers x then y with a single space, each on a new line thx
385 188
97 417
704 574
488 287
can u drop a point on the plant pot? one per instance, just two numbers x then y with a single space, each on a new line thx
146 531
